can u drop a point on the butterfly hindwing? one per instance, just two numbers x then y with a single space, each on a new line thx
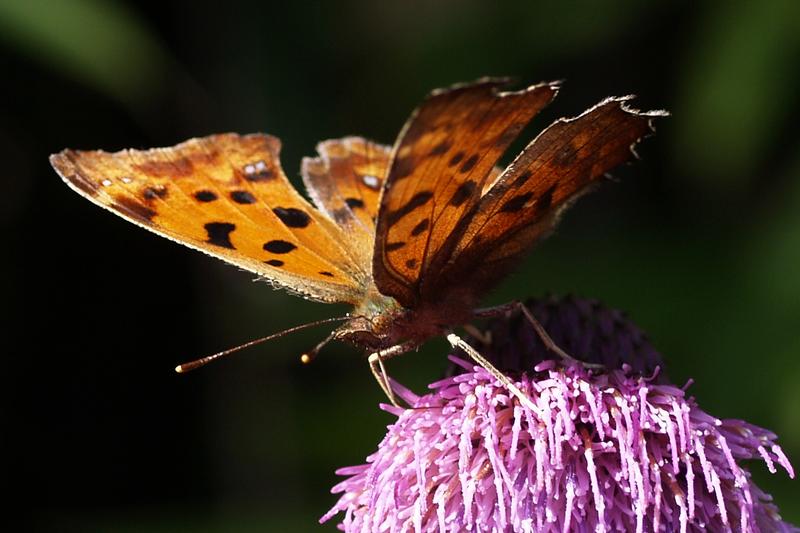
225 195
440 164
345 183
524 204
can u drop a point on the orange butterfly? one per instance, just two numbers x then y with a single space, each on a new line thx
412 236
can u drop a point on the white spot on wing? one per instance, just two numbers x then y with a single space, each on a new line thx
106 182
370 181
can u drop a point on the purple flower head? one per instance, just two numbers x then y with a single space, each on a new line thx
593 451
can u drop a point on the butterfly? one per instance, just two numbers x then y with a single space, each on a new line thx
412 235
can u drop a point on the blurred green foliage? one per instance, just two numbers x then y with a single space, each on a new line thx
700 242
103 44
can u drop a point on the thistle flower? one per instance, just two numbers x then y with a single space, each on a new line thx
611 450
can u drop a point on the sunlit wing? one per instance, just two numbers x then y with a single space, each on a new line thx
225 195
443 158
344 182
523 206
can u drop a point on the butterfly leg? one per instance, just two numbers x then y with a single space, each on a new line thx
378 369
458 342
549 343
484 337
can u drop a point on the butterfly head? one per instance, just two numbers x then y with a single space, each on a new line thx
373 323
381 322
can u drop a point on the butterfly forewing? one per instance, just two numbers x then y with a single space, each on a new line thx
227 196
523 205
440 164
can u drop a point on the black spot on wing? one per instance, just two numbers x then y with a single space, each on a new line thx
520 180
219 234
243 197
546 199
392 246
205 196
403 167
411 263
456 159
419 228
354 203
463 193
278 246
326 273
469 164
516 203
440 148
292 217
416 201
275 262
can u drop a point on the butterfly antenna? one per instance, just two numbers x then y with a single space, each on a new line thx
310 355
197 363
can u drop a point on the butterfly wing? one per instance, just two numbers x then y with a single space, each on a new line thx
525 202
440 164
345 183
225 195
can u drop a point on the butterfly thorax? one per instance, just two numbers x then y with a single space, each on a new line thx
381 322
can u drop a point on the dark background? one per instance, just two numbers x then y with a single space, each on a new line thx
699 242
